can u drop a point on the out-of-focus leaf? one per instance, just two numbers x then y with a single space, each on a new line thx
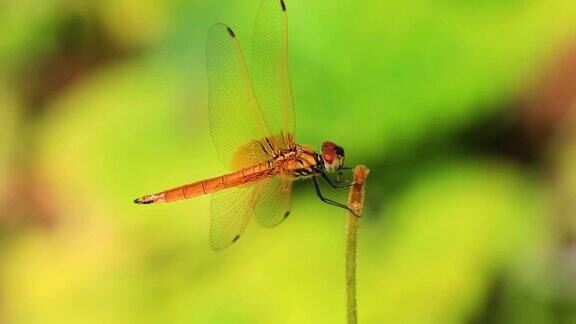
376 77
9 112
134 23
445 238
405 71
27 29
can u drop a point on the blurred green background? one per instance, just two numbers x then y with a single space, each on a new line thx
463 110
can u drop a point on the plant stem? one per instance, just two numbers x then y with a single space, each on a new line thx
356 203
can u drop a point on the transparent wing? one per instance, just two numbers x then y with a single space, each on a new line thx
235 118
230 213
269 70
275 202
232 208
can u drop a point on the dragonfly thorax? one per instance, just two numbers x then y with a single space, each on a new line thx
298 162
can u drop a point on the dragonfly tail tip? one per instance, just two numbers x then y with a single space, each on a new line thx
150 199
142 201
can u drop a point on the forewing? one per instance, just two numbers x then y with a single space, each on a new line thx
274 204
269 68
235 118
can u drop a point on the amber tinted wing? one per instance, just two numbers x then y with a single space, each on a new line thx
235 118
231 209
269 68
273 206
230 212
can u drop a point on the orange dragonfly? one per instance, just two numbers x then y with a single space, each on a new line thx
252 126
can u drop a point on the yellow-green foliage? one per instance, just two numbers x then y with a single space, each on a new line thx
377 77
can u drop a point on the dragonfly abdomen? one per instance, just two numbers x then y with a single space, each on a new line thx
247 175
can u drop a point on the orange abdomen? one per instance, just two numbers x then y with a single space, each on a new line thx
247 175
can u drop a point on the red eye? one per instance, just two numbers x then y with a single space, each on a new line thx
328 158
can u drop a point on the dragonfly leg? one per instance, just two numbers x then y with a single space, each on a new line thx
328 200
337 184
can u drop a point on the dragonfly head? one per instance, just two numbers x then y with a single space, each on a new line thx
333 156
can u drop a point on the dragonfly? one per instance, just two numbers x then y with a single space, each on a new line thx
252 123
